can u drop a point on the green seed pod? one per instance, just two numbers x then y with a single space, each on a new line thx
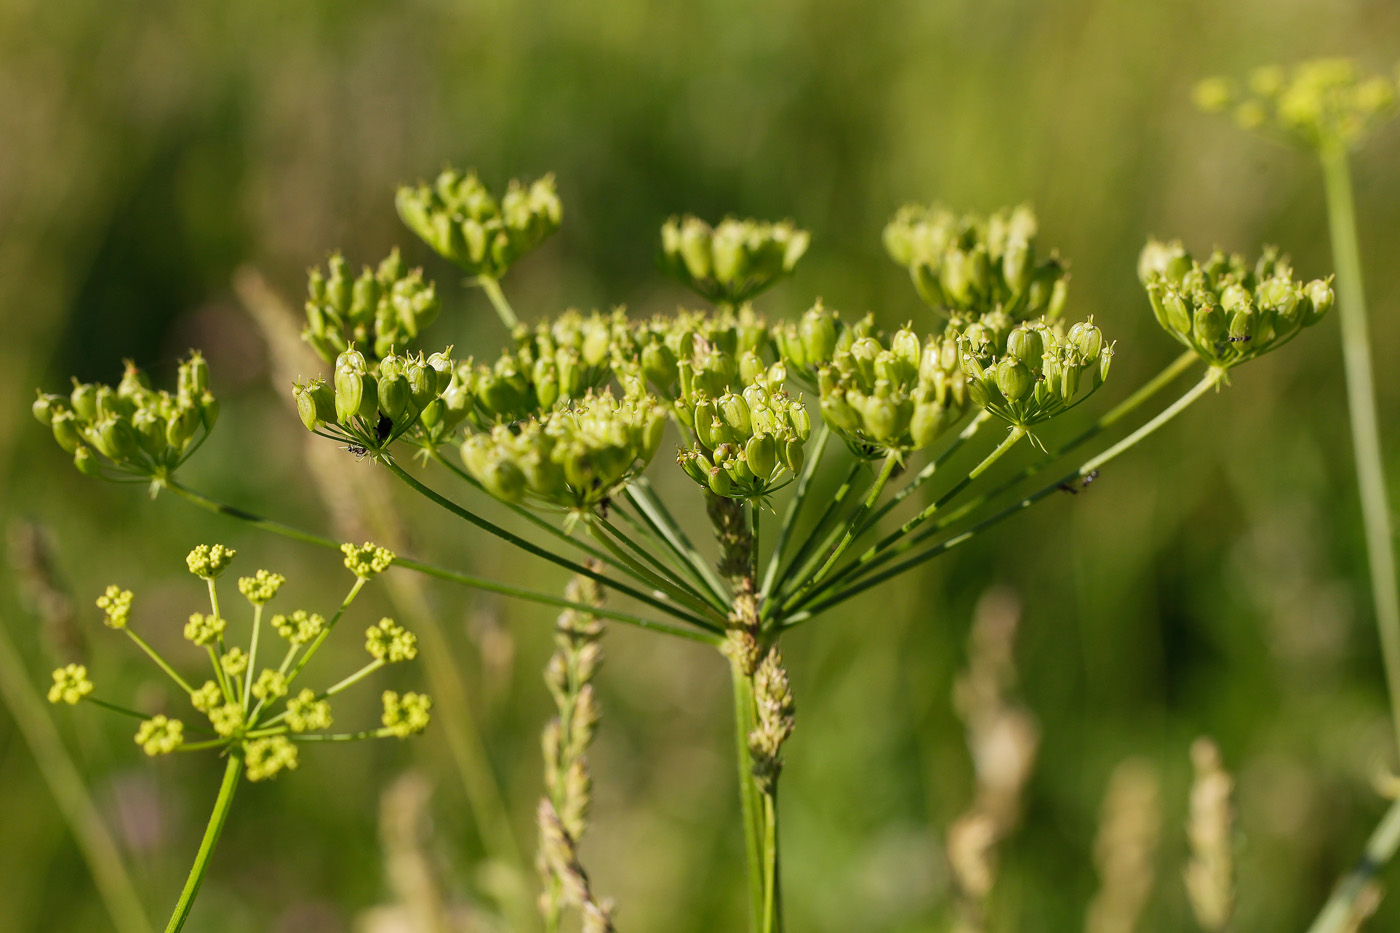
762 454
441 365
135 383
84 400
1026 344
659 365
1244 325
115 439
150 432
85 461
734 411
432 415
1177 313
315 403
1014 379
794 455
504 480
927 423
180 427
394 396
1320 297
349 393
800 421
1018 263
1209 325
731 257
817 331
45 406
720 483
422 382
65 430
695 248
695 465
1086 338
209 409
194 374
1235 297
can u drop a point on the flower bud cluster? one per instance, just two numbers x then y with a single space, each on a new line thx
554 363
405 714
733 261
381 310
711 352
1321 103
572 458
776 710
1225 309
70 684
464 224
1043 371
812 341
134 429
747 440
971 265
892 394
371 405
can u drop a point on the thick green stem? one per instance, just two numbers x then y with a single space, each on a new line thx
504 311
1365 425
749 796
810 611
222 803
441 573
1337 913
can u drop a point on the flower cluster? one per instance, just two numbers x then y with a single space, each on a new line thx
1226 309
572 458
554 363
894 393
746 440
733 261
1043 372
969 265
133 429
381 310
464 224
368 406
238 703
696 350
810 342
1321 103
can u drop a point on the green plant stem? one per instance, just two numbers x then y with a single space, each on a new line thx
853 526
803 562
252 657
673 574
749 802
772 901
707 636
522 511
232 772
661 583
931 468
891 540
160 662
648 532
799 498
504 311
1337 914
651 507
1365 425
860 585
65 782
538 551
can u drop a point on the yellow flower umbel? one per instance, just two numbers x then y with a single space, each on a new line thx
236 714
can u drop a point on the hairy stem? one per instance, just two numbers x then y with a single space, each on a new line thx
232 772
1365 429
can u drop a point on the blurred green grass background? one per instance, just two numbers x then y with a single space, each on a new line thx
1212 582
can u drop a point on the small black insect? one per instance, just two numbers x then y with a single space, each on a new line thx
603 507
358 451
383 429
1241 339
1083 484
